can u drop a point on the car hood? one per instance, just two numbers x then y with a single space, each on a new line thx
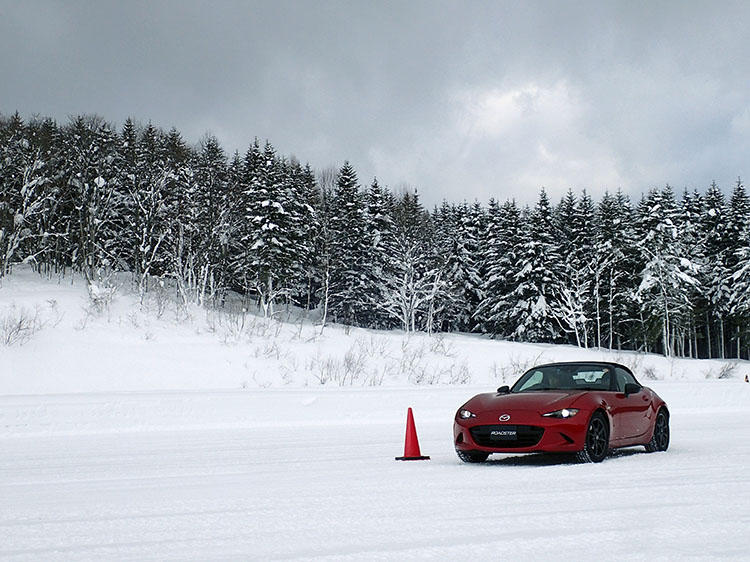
542 401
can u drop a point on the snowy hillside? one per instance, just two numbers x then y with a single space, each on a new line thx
66 343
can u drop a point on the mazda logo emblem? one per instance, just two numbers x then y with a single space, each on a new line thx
504 417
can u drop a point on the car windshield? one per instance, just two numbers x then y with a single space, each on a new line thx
564 377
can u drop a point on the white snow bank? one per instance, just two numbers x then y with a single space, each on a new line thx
75 346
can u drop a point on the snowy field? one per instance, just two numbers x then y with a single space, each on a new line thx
310 474
148 433
128 346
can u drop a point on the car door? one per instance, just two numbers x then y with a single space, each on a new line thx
629 413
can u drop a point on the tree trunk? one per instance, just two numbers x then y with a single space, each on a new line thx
326 285
270 293
738 342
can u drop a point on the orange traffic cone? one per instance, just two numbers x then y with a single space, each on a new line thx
411 446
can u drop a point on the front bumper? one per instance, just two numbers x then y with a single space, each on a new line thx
533 433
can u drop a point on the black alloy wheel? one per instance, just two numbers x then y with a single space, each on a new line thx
597 440
660 439
472 456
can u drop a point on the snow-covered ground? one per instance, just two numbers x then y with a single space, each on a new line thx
285 474
127 346
128 435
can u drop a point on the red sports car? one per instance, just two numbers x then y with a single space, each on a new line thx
584 408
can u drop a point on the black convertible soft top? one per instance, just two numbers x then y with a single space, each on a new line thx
599 363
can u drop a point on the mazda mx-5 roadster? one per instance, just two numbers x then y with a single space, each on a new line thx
585 408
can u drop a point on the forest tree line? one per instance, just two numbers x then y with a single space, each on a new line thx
669 273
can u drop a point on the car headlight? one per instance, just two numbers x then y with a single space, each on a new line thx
564 413
466 414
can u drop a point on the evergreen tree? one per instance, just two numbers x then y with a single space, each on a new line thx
270 226
738 231
92 178
715 275
300 199
501 258
148 201
412 289
127 218
668 276
181 242
536 283
578 278
211 220
378 260
47 238
348 249
25 195
461 272
691 240
616 260
310 230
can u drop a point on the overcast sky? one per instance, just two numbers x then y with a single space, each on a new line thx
459 99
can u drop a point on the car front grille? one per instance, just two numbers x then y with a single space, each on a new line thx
526 436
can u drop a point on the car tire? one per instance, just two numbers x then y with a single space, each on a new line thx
596 446
660 438
472 456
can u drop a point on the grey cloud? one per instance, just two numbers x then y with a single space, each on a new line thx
648 93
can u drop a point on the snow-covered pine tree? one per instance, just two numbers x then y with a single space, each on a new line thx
411 290
740 290
739 217
127 218
211 220
347 302
181 242
691 239
715 276
378 260
324 242
536 284
13 145
575 226
444 221
25 195
615 284
298 229
668 276
270 227
309 224
44 138
236 221
587 259
462 291
243 273
565 225
91 165
501 251
738 226
147 202
476 229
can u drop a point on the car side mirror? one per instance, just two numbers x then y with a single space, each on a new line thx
505 389
632 388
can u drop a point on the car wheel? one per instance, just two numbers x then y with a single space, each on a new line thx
597 440
660 439
472 456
